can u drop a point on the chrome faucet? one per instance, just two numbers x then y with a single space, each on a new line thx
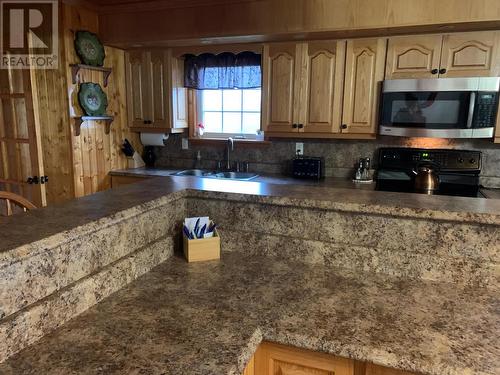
229 148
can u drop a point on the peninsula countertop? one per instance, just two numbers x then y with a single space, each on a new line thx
209 318
102 208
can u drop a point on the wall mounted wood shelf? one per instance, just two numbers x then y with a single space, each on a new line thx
75 68
81 119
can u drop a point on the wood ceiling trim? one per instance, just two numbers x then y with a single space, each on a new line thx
132 6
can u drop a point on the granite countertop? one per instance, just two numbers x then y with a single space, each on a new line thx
208 318
333 182
106 207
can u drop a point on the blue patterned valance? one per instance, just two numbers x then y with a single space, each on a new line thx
223 71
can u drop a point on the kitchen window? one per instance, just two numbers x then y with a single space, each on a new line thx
228 90
230 112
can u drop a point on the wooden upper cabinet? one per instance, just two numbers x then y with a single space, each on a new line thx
471 54
281 85
156 97
365 62
321 96
413 56
179 94
158 86
138 95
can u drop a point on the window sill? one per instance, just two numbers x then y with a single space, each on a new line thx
223 141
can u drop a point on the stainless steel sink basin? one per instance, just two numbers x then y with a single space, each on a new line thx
193 172
240 176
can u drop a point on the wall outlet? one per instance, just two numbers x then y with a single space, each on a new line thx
185 144
299 149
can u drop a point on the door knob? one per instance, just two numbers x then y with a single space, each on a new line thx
294 126
300 126
434 71
343 126
442 71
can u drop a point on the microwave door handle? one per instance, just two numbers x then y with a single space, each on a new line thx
472 104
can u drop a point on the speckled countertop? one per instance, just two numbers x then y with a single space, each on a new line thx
208 318
61 218
332 182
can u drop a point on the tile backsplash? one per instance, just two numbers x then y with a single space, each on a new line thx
340 155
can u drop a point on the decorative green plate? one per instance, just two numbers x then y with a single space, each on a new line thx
92 99
89 48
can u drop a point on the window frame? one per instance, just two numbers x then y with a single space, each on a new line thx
199 117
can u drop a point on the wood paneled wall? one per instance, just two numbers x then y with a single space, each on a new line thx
270 19
79 166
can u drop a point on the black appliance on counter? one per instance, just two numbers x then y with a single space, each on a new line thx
311 168
449 172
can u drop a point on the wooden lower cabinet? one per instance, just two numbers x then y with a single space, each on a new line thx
117 181
276 359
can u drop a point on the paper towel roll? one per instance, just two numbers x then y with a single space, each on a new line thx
153 139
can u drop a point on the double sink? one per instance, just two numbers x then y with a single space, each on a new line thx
240 176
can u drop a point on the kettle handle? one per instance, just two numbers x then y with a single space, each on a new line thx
423 163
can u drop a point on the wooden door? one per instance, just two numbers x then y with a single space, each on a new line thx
158 89
280 92
471 54
179 96
413 56
138 89
274 359
323 81
20 157
365 62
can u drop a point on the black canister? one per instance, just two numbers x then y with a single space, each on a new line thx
149 156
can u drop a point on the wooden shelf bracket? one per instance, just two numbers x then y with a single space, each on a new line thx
81 119
75 68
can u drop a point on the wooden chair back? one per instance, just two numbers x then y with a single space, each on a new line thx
11 200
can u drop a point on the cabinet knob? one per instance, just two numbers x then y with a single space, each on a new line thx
294 126
442 71
343 126
301 126
434 71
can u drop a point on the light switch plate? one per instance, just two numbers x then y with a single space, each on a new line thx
299 148
185 144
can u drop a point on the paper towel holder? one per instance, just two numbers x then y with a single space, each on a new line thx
154 139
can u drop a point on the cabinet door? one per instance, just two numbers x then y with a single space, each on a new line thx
280 87
323 81
158 89
273 359
471 54
372 369
179 94
138 94
413 56
365 62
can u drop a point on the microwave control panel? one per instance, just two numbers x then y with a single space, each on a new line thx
485 110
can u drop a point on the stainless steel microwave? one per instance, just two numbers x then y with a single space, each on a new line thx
440 107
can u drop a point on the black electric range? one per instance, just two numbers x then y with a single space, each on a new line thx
458 170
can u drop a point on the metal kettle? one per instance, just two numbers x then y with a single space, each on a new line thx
426 178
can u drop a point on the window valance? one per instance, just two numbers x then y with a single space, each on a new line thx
223 71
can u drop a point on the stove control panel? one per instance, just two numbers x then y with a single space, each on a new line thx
446 160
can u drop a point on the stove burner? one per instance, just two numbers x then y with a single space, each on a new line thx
458 170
